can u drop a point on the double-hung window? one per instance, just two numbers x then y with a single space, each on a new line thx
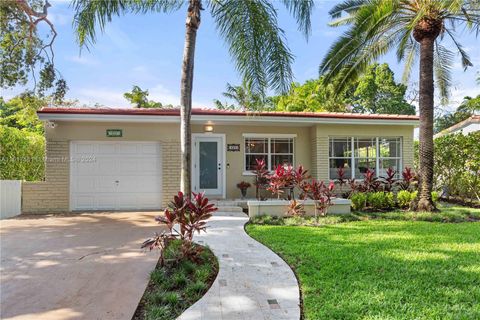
359 154
274 149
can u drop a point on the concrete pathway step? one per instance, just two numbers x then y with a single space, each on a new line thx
229 209
252 283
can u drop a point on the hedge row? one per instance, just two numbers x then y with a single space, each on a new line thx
22 155
457 165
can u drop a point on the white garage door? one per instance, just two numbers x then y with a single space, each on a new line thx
115 175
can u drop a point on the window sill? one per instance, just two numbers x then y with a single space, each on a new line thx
248 173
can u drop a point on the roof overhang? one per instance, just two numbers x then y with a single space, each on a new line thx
222 119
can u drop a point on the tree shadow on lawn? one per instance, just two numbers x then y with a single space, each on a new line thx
383 270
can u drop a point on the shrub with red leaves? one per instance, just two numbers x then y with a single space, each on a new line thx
261 176
409 177
321 194
191 215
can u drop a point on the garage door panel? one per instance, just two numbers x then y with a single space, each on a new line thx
83 168
149 201
84 184
84 201
148 165
106 202
127 148
84 148
128 166
150 148
105 149
135 165
106 166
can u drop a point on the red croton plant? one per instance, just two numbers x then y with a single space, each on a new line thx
191 216
320 193
286 178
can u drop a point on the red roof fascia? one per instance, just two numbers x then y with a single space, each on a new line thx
215 112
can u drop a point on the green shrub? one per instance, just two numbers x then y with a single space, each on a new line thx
380 200
22 155
404 198
359 200
435 197
171 298
457 164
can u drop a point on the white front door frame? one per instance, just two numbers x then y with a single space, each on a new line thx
195 159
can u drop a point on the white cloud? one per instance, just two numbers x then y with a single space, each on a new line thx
161 94
118 37
83 60
106 97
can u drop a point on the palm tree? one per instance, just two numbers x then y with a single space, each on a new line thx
415 28
243 96
250 28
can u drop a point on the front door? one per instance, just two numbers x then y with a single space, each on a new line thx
208 167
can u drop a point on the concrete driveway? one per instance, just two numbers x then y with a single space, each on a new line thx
87 266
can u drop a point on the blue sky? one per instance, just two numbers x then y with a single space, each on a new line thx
146 50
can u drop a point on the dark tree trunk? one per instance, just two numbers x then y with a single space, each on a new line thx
426 105
192 24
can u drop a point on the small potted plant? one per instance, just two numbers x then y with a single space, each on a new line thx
243 186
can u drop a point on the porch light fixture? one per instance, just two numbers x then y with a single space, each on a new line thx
208 128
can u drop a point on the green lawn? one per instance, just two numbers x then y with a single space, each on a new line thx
380 269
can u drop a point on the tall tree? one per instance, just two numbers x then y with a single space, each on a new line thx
377 92
466 109
25 53
250 28
243 98
313 95
139 98
415 28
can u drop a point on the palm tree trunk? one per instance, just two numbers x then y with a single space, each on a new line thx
426 104
192 24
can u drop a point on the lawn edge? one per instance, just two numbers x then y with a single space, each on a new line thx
302 316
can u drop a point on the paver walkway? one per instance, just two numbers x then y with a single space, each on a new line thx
252 283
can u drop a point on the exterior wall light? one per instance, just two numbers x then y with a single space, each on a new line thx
208 128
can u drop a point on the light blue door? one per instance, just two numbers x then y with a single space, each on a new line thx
208 166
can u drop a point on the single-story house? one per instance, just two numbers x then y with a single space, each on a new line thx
129 159
471 124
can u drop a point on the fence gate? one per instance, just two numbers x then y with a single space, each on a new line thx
10 198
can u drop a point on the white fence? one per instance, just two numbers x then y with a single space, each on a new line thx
10 198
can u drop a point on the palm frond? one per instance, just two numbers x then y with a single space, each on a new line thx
375 31
466 62
256 43
301 10
92 13
442 65
348 7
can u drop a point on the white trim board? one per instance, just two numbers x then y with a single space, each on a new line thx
218 120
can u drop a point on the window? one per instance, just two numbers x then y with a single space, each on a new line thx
389 156
340 156
357 155
274 150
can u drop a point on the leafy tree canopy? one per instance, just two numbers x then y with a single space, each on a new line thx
25 54
21 112
313 95
243 99
466 109
377 92
139 98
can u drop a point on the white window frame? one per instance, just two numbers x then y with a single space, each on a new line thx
377 157
268 137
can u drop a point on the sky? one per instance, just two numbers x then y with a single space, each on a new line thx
146 50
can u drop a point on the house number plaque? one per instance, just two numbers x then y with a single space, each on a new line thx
114 133
233 147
